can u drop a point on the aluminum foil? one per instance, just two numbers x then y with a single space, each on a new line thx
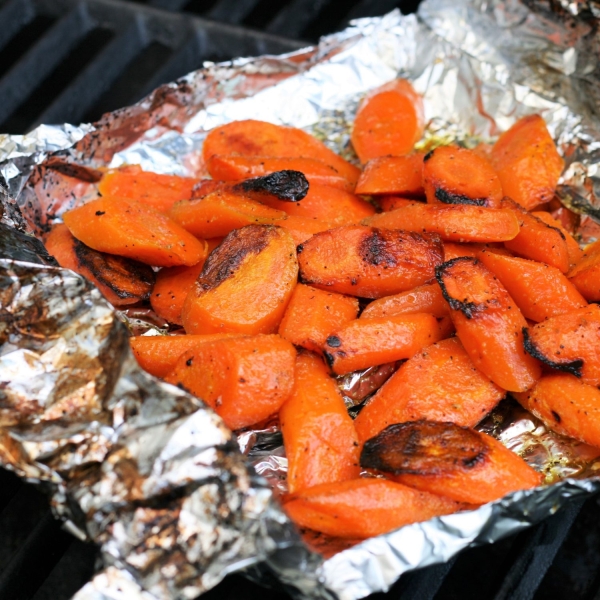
150 473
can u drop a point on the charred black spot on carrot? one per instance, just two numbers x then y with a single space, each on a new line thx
573 366
450 198
428 155
467 307
99 213
287 185
334 341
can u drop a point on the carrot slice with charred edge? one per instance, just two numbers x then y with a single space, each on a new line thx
527 162
456 250
258 138
446 459
388 203
362 508
368 262
120 280
158 354
320 441
151 189
488 323
130 229
453 223
245 285
313 314
440 383
302 228
566 405
585 275
536 240
365 343
569 342
454 175
575 252
539 290
423 299
393 175
244 379
389 121
172 286
235 168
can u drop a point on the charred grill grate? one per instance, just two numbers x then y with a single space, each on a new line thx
71 61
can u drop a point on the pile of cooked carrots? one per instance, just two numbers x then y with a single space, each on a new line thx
289 266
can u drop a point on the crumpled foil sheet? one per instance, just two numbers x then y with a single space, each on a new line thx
148 472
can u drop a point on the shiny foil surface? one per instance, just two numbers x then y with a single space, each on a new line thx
174 499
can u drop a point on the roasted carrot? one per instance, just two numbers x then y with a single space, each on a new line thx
454 175
388 203
539 290
453 223
389 121
313 314
488 323
128 228
365 343
585 275
368 262
244 379
569 342
361 508
440 383
320 441
245 285
446 459
401 175
120 280
452 250
527 162
302 228
575 252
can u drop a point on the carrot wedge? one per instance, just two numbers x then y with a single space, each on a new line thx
585 275
488 323
320 441
453 223
302 228
573 249
402 175
388 203
362 508
443 458
440 383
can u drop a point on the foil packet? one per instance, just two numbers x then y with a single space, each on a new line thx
150 473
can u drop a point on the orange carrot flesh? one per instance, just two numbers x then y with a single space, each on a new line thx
527 162
368 262
365 343
320 441
488 323
539 290
569 342
426 298
401 175
389 121
585 275
440 383
244 379
388 203
302 228
245 285
362 508
453 223
456 250
151 189
573 249
130 229
454 175
313 314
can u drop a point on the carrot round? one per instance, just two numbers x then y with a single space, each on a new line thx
585 275
401 175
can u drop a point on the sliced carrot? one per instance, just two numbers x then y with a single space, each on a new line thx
575 252
454 175
244 379
320 441
488 323
388 203
401 175
130 229
389 121
452 250
453 223
569 342
440 383
585 275
365 343
566 405
362 508
120 280
245 285
539 290
443 458
527 162
368 262
151 189
302 228
423 299
313 314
